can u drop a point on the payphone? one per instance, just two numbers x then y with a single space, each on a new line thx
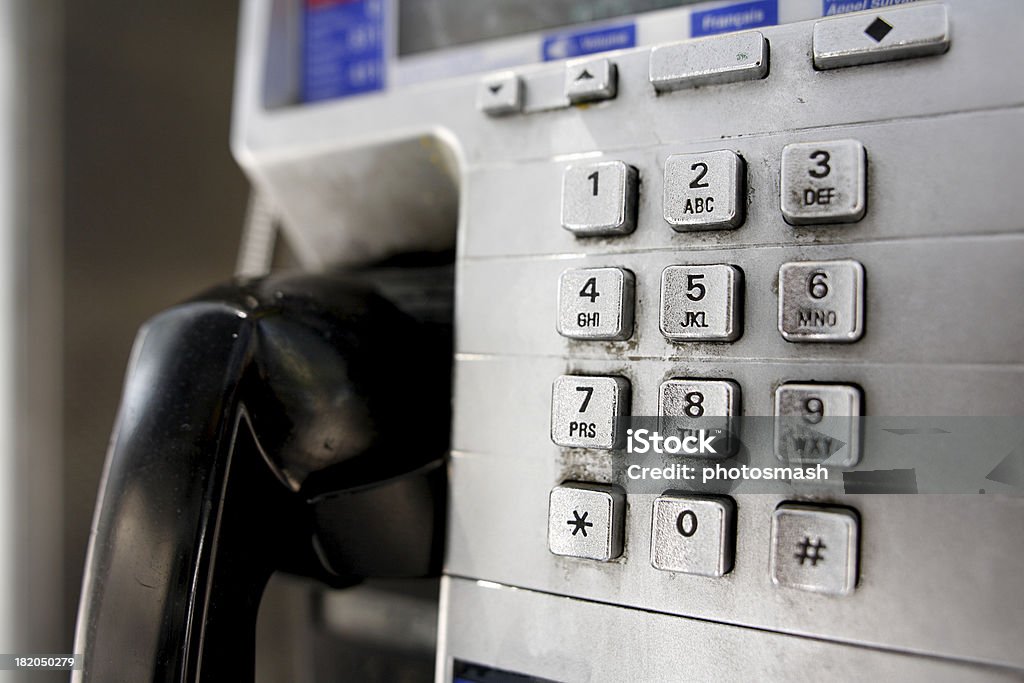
782 232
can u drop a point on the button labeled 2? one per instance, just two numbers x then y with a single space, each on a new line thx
596 303
704 191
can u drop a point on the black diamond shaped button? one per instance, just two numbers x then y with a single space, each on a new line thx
879 29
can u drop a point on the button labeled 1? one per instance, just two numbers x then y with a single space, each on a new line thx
599 199
701 303
586 520
693 534
596 304
821 301
818 423
585 411
814 548
824 182
704 191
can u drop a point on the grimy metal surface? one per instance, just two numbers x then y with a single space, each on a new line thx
939 592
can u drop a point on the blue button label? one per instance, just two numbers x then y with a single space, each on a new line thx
832 7
734 18
343 48
563 45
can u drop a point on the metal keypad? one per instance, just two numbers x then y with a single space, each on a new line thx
818 423
693 534
599 199
824 182
589 80
596 303
821 301
585 411
709 61
586 520
704 191
815 548
878 37
701 303
689 405
500 94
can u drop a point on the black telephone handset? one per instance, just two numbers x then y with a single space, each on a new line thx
266 426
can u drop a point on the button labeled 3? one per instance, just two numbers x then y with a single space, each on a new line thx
701 303
693 534
704 191
824 182
814 548
585 411
599 199
821 301
586 520
596 304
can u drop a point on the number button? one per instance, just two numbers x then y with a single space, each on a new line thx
701 303
704 191
821 301
687 406
824 182
596 304
585 411
693 534
599 199
818 423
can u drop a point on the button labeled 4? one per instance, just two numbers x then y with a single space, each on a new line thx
596 303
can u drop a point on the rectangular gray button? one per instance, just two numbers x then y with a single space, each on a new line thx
709 61
585 411
500 94
821 301
824 182
704 191
818 423
599 199
689 405
868 37
693 534
701 303
815 548
589 80
596 303
586 520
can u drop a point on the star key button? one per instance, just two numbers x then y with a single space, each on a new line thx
585 520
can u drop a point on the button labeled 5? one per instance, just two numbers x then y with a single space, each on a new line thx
701 303
585 411
596 303
704 191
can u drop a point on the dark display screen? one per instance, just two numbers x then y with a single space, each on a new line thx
426 25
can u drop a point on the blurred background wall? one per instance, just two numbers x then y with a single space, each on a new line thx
153 206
